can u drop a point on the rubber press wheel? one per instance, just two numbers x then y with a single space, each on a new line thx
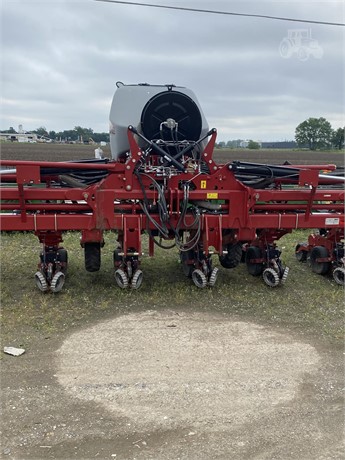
319 252
233 257
254 269
187 268
92 253
62 257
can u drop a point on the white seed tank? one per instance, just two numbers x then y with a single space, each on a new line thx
167 112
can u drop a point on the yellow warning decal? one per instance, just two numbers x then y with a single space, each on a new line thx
203 184
212 196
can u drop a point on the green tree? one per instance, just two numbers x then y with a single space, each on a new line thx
83 133
338 138
41 131
316 133
253 145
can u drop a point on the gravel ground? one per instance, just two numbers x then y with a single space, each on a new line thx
173 385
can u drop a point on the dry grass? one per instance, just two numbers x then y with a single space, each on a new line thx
308 303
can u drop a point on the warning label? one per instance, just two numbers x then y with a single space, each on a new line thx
212 196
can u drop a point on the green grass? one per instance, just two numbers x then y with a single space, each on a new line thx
307 303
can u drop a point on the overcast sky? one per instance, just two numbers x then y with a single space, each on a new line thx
61 60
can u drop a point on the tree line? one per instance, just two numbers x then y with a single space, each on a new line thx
313 133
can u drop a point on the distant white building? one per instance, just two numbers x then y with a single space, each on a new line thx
18 137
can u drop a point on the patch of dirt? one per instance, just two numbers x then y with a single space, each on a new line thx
173 385
69 152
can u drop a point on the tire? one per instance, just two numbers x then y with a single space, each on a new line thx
199 279
233 257
213 277
57 282
62 258
254 269
41 282
270 277
187 268
92 253
319 252
62 255
121 278
116 257
137 279
339 276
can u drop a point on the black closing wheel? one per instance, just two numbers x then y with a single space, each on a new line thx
199 278
213 277
339 275
137 279
319 267
92 253
57 282
270 277
176 106
41 282
121 278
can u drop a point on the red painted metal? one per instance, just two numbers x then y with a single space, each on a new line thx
33 201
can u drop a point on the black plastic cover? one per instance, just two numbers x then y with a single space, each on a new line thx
175 105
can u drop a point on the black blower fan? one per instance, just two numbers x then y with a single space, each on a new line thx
171 116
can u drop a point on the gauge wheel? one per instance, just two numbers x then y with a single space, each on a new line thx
57 282
199 278
270 277
41 282
121 278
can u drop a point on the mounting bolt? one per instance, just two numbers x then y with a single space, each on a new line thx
128 167
128 187
86 196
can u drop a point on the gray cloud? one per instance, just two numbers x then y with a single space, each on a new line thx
60 62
